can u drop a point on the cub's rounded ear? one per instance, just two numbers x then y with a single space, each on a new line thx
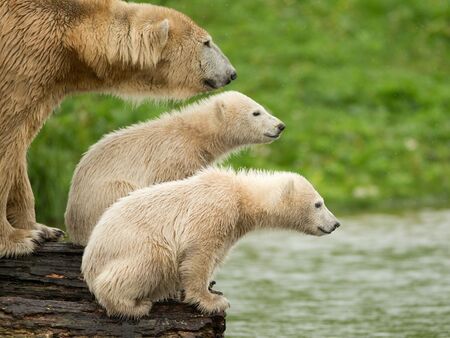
220 109
288 189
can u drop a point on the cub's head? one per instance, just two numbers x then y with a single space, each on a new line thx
245 121
301 207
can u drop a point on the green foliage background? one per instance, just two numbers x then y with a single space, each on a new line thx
363 86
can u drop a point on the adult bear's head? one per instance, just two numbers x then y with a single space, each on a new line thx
147 50
190 61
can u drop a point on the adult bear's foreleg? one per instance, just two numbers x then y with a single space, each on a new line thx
13 241
20 207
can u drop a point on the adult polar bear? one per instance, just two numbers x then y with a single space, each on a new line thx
172 147
49 49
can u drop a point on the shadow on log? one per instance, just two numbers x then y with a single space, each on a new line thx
44 294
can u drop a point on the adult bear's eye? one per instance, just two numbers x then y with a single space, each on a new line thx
207 43
256 113
318 204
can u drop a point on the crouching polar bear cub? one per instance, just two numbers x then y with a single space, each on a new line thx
170 237
172 147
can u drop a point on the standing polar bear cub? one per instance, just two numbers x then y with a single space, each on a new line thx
172 147
177 232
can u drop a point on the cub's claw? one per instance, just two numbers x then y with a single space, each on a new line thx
182 295
210 288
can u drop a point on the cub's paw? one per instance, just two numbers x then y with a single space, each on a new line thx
134 313
129 309
49 234
20 242
142 308
213 303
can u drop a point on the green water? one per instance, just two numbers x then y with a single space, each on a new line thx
376 276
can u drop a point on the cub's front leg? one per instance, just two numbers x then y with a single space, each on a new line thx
196 271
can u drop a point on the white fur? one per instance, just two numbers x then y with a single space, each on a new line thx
162 239
174 146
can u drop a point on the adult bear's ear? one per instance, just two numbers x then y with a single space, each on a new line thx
161 32
220 110
148 42
288 189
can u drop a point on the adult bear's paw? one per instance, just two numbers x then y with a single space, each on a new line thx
20 242
48 233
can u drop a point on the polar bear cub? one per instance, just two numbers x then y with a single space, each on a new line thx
172 147
170 237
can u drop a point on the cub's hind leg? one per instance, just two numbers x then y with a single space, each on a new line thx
119 291
125 288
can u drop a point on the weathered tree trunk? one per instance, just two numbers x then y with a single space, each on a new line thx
45 295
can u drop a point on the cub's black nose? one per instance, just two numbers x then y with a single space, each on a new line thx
233 76
337 225
281 127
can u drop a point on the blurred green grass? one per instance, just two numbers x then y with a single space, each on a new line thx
363 86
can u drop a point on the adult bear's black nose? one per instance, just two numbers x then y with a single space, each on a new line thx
233 75
337 225
281 126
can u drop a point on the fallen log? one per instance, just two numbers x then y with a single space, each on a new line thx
45 295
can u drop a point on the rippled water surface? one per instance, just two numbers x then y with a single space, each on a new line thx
376 276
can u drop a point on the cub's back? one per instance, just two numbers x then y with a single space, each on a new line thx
167 210
123 154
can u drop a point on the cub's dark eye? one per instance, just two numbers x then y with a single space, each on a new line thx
207 43
256 113
318 204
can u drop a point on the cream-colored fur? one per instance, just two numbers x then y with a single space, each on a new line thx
171 237
172 147
50 49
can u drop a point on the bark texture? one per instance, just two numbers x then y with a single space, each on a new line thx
44 295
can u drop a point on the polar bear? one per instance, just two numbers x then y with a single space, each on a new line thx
172 147
171 236
50 49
